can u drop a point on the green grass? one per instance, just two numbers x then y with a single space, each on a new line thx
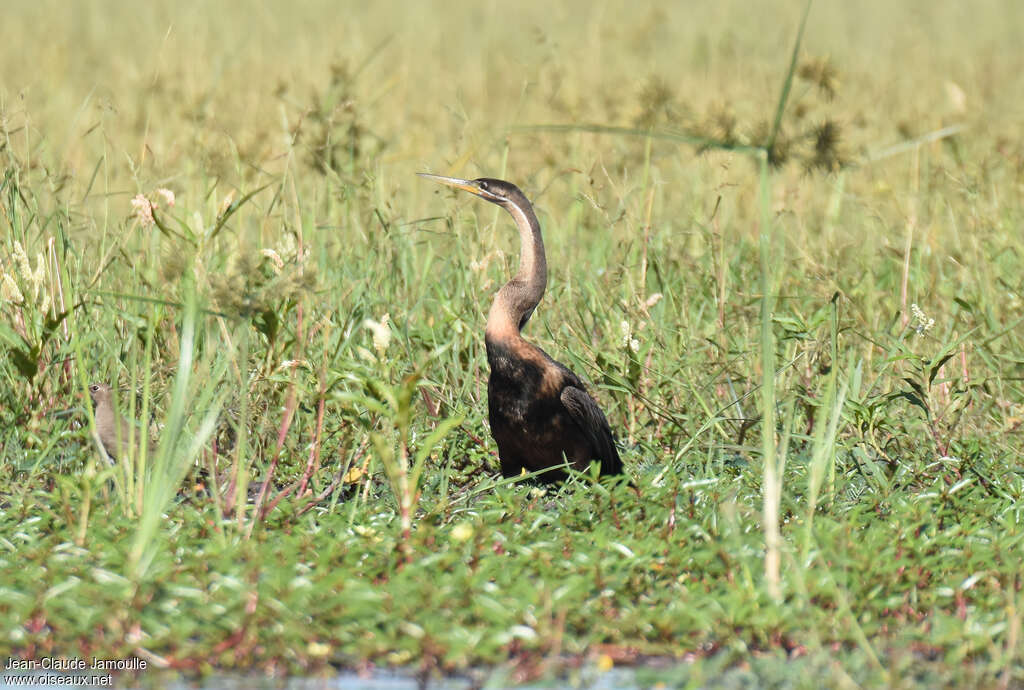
311 313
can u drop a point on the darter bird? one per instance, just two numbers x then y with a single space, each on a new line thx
540 413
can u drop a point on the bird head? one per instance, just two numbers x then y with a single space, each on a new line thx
496 191
99 392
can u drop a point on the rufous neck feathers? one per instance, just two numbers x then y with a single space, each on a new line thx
514 304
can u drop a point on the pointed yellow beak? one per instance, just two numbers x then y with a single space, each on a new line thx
465 185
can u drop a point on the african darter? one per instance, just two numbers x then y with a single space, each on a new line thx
540 412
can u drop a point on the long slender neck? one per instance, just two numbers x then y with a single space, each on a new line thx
514 304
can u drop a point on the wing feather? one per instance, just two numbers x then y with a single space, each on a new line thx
585 412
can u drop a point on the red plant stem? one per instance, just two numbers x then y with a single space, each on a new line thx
277 499
282 433
314 452
339 475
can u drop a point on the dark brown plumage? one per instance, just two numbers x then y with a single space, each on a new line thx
115 432
540 412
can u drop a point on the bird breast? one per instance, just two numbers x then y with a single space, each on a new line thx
525 369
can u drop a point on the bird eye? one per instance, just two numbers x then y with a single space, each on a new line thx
483 185
94 388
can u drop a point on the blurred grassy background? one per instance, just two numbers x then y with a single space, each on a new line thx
195 84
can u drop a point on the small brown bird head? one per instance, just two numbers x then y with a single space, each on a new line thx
100 393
